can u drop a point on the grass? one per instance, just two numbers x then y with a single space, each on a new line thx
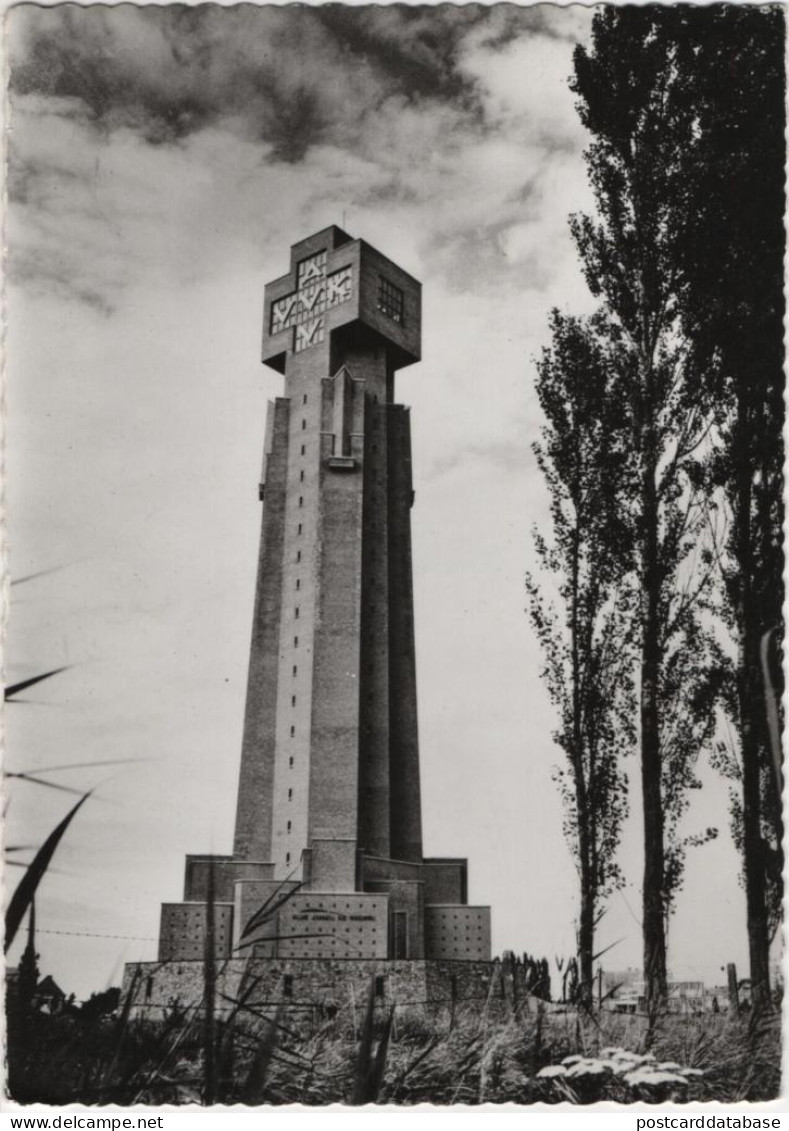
491 1052
488 1055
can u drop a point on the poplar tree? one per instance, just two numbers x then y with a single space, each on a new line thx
582 623
733 316
643 164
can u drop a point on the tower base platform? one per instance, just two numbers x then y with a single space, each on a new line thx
320 989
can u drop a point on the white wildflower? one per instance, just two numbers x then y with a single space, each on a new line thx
651 1078
552 1070
586 1068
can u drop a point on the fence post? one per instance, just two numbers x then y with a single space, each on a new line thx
734 996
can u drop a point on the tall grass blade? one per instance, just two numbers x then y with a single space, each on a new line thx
26 890
370 1064
119 1036
271 905
23 684
40 781
253 1091
606 949
379 1062
209 993
82 765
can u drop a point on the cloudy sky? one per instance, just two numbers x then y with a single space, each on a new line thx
162 161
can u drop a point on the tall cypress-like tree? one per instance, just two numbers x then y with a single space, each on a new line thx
582 625
733 316
643 165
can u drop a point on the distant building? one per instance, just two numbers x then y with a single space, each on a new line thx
624 991
686 997
49 997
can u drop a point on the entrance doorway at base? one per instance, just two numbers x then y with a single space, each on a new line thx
400 934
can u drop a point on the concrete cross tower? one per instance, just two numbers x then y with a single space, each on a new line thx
330 760
328 838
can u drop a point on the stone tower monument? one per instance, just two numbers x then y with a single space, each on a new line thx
328 835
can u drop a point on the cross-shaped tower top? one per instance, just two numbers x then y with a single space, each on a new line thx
338 283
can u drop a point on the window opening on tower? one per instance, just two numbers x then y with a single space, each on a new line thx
390 300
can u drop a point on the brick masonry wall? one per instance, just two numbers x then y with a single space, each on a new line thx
305 373
182 931
254 813
406 812
334 749
350 925
445 880
226 871
304 985
374 753
457 932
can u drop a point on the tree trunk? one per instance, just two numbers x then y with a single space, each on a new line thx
583 806
586 937
654 849
750 707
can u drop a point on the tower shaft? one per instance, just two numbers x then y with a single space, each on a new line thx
330 748
327 859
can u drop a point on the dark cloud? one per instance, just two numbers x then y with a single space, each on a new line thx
289 77
279 73
415 49
48 276
436 113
